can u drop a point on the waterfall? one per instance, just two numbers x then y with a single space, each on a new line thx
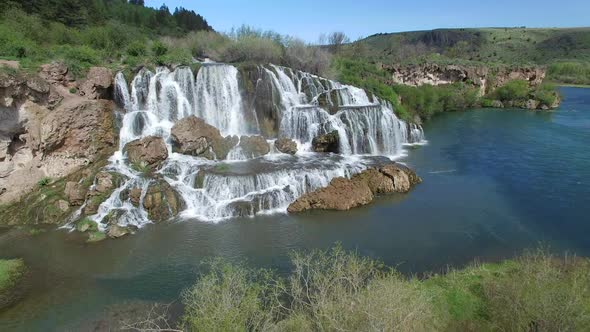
219 101
241 186
363 126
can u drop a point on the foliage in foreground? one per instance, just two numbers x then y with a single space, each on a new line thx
339 291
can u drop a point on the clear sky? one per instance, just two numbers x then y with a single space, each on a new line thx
360 18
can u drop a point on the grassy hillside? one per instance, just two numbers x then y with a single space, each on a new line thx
566 52
520 46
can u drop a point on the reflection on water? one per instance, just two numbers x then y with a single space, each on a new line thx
495 182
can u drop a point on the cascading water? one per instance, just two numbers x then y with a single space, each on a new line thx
242 186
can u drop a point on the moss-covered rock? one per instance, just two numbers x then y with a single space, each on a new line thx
12 274
162 202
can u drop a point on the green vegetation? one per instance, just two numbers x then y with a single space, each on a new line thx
86 225
44 181
339 291
87 33
96 236
570 72
10 273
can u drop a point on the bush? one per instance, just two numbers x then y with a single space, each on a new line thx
229 298
44 181
546 94
516 90
569 72
159 49
137 48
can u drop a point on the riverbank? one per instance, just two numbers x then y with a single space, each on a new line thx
11 276
335 290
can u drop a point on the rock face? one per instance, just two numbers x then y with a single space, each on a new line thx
345 194
254 146
162 202
327 143
149 152
192 136
75 193
98 83
286 145
487 80
37 142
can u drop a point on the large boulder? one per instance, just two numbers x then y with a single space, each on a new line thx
98 83
162 202
345 194
56 73
254 146
329 142
342 194
146 154
193 136
403 177
75 193
286 145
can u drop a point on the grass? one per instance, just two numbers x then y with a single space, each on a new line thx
336 290
10 273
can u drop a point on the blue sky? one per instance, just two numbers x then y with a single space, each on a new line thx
308 18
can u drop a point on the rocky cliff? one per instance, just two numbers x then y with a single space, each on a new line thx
51 125
485 78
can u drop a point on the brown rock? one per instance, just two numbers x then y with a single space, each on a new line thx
403 177
55 72
532 104
115 231
327 143
344 194
286 145
135 196
63 206
149 152
98 83
86 130
193 136
162 202
254 146
75 193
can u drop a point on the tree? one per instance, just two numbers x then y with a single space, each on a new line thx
337 39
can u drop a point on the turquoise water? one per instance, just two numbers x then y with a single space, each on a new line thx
495 182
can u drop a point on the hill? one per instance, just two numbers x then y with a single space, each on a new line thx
522 46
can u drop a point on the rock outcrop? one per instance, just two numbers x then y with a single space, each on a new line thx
162 202
286 145
329 142
193 136
486 79
146 154
254 146
98 84
345 194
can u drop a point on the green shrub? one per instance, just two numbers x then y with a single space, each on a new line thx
159 49
137 48
546 94
44 182
229 298
516 90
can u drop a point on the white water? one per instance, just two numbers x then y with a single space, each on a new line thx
214 190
